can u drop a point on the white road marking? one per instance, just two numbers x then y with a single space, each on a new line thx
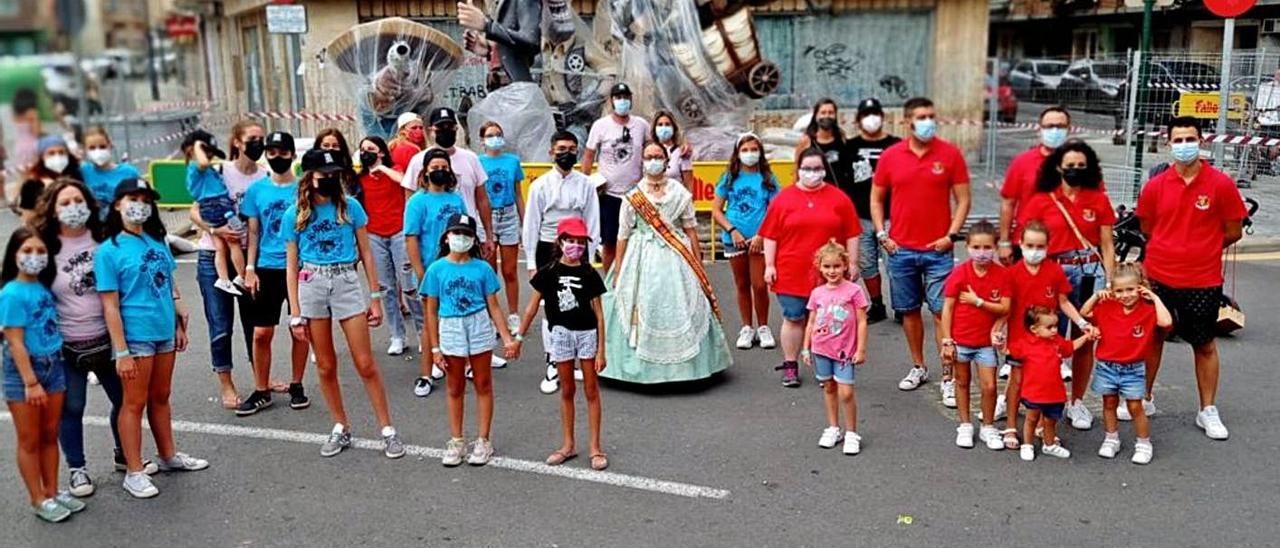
584 474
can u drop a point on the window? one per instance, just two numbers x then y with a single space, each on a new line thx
9 7
253 66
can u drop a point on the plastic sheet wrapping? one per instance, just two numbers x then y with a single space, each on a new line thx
525 116
391 66
578 65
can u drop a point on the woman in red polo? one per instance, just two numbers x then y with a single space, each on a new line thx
1069 200
801 219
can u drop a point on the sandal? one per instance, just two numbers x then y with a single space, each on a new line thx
559 457
599 461
1010 438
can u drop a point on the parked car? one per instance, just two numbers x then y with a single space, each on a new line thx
127 63
62 81
1006 102
1037 79
1094 85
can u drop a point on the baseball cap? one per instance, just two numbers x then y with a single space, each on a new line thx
406 118
572 226
324 161
619 88
462 223
134 185
870 105
202 136
443 114
279 140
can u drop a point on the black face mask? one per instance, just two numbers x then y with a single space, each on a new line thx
368 159
330 186
565 160
280 165
827 123
1076 176
446 137
440 177
253 149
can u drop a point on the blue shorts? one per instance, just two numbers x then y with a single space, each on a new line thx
868 250
214 210
826 369
1049 410
794 308
1085 280
917 277
506 225
49 373
984 356
1128 380
467 336
146 349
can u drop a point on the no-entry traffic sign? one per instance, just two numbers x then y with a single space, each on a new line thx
1229 8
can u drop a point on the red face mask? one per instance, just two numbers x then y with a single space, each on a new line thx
417 136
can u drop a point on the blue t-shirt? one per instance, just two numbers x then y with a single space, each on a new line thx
461 288
102 182
427 215
140 269
267 202
206 184
745 203
505 176
30 305
324 240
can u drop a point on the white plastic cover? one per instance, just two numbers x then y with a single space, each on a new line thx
525 116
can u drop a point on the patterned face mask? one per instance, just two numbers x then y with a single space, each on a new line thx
136 212
32 264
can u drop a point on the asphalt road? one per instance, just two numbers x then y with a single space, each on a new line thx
741 452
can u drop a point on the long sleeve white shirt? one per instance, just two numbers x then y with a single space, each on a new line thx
553 197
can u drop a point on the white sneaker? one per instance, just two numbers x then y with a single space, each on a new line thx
1056 450
436 372
914 378
765 336
1110 447
831 435
1028 452
468 373
181 462
1209 421
577 373
453 452
746 336
1149 407
140 486
1142 453
498 362
1081 418
964 435
949 394
1122 411
422 387
396 347
513 323
1065 369
852 443
1002 408
313 358
990 436
481 452
80 485
551 381
93 379
1004 371
228 287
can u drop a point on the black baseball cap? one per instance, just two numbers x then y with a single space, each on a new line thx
443 114
202 136
459 222
134 185
279 140
870 105
324 161
620 89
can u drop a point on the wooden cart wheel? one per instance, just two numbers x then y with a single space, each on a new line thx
763 79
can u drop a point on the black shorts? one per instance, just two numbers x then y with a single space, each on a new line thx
542 254
273 292
610 206
1194 310
1049 410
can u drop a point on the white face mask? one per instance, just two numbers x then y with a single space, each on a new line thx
749 158
460 243
99 156
811 178
57 163
74 216
32 264
872 123
655 166
136 212
1034 256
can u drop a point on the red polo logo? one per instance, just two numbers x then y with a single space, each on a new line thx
1202 202
1049 293
1138 332
937 168
1089 215
995 294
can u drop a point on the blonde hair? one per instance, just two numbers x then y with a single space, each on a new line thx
1130 269
830 249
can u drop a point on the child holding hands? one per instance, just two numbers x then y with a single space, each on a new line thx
1042 390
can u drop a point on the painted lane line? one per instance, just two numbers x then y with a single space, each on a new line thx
519 465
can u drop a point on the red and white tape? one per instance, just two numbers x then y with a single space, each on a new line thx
317 116
199 105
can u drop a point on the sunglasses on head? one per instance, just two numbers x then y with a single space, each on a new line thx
626 135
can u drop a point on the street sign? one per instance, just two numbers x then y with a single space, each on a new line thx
1205 105
286 19
1229 8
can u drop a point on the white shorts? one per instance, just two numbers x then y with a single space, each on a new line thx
331 292
467 335
565 345
506 225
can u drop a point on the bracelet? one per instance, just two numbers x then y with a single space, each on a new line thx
375 294
979 302
731 229
518 337
1004 244
249 268
435 349
948 342
804 353
882 235
121 354
1083 324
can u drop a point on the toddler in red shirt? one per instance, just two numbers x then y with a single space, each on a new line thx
1127 317
976 295
1042 390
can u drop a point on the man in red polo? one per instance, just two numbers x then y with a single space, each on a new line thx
1189 214
1020 179
923 173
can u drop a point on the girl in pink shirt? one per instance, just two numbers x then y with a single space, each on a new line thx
835 340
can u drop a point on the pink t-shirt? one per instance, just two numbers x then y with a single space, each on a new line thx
237 184
79 308
619 151
835 328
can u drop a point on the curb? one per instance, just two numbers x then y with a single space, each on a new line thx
1258 244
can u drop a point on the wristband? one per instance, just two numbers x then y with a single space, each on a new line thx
1005 244
882 235
121 354
249 268
375 294
435 350
1083 324
731 229
296 321
518 337
804 353
979 302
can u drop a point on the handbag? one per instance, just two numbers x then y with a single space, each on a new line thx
86 356
1230 316
1092 249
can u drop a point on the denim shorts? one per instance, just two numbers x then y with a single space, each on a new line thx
1085 280
1050 410
826 369
566 345
467 335
146 349
868 250
213 211
331 291
506 225
1128 380
984 356
49 373
794 308
917 277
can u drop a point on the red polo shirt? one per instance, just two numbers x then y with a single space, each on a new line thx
1041 379
1039 289
970 325
801 222
1091 210
1188 224
384 202
1020 178
1126 335
921 188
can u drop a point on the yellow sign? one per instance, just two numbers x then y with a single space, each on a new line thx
705 177
1205 105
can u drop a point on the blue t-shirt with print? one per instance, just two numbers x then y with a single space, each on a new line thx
461 288
427 215
745 203
140 269
505 175
206 184
30 305
325 241
102 182
267 202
